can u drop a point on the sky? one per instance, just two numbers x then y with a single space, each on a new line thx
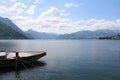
62 16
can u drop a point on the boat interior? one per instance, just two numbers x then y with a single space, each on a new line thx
11 55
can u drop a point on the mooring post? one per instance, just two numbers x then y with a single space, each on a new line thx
16 60
16 65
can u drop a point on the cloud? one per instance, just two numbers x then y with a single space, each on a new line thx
68 5
3 9
23 22
63 13
29 0
31 10
50 12
37 2
94 24
17 8
9 1
51 21
47 21
93 21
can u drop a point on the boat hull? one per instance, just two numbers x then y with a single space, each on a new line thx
23 59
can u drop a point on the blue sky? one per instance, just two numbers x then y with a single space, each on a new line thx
62 16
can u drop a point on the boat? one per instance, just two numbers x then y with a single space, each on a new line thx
9 58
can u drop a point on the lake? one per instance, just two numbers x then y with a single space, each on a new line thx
67 59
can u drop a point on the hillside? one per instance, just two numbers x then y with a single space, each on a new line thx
77 35
40 35
89 34
6 32
7 21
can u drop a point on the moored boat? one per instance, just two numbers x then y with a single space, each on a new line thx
8 58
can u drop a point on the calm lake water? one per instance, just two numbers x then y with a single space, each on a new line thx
67 59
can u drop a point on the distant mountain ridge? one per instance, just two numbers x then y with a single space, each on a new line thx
40 35
89 34
8 30
77 35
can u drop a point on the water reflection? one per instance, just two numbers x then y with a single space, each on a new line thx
22 69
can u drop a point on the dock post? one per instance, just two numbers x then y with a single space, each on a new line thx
16 60
16 65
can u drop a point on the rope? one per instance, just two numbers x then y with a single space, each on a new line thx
23 64
18 77
30 64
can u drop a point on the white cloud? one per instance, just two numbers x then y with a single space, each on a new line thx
31 10
93 21
63 13
37 2
17 8
94 24
51 21
68 5
10 1
63 25
3 9
50 12
29 0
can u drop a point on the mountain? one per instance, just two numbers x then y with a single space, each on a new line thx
89 34
8 30
11 24
40 35
77 35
